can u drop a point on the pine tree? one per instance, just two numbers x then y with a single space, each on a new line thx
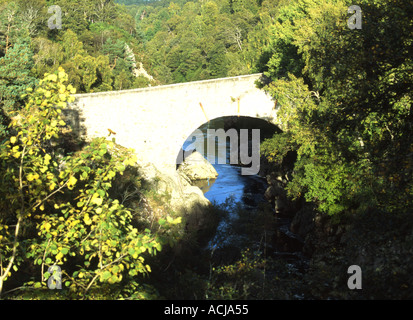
15 77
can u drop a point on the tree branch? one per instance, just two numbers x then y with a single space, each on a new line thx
19 220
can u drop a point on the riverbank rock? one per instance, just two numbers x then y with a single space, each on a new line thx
196 167
277 195
183 196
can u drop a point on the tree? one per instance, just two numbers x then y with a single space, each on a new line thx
15 78
122 81
48 55
77 15
78 227
114 50
199 39
343 111
10 26
71 45
104 10
33 13
88 73
104 74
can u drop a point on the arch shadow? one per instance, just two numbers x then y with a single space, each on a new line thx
231 126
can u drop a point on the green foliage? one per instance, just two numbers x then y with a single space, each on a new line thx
15 78
253 276
175 41
195 40
64 202
20 19
239 280
80 46
341 107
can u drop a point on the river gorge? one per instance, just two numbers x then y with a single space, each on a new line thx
252 242
244 198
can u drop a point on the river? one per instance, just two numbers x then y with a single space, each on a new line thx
232 189
248 220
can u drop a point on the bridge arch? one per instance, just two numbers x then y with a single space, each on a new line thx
156 120
221 141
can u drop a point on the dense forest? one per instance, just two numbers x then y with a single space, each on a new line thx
344 99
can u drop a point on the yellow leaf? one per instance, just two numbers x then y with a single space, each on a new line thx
71 89
177 220
72 181
47 226
74 223
87 220
96 199
52 77
47 158
13 140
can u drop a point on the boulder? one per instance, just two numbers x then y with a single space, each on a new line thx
280 205
270 193
273 192
274 178
196 167
183 195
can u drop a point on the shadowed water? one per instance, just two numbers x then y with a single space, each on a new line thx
231 189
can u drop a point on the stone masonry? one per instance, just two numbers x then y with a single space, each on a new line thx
155 121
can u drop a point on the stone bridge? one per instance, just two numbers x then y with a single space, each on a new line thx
156 121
